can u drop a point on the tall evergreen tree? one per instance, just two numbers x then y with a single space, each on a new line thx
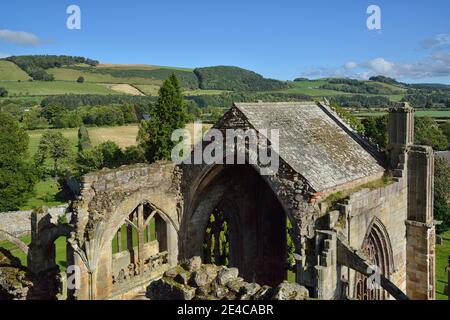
17 174
168 115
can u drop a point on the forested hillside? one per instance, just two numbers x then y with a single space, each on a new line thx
235 79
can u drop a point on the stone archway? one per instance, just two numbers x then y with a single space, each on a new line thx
378 250
255 217
14 240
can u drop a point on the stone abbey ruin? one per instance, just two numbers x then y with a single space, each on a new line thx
337 207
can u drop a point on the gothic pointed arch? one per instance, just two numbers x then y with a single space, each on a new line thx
378 250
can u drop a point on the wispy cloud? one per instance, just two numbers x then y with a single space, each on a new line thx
437 41
436 64
19 37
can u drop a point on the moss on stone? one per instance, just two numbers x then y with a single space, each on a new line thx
340 196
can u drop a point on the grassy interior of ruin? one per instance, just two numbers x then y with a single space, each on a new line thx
442 254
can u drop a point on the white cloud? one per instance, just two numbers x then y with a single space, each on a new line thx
439 40
380 65
19 37
350 65
4 55
436 65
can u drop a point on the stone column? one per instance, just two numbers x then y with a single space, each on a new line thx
400 132
141 240
420 229
172 244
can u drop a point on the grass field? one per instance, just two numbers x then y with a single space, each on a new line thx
91 76
201 92
35 137
152 90
123 88
124 136
10 72
442 254
44 88
437 114
67 74
148 89
311 88
60 244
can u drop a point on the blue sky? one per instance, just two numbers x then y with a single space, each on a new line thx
279 39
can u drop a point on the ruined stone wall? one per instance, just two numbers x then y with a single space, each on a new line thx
17 223
107 199
389 205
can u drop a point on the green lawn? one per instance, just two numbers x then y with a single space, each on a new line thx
35 137
11 72
47 193
60 244
442 254
43 88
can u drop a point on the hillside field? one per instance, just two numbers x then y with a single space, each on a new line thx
313 88
10 72
436 114
68 74
48 88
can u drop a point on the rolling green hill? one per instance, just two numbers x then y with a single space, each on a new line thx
11 72
143 75
235 79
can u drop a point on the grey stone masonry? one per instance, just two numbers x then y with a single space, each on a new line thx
17 223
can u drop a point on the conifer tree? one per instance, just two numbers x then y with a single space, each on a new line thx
167 115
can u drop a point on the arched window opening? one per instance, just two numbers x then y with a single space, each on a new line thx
139 248
290 260
216 245
378 251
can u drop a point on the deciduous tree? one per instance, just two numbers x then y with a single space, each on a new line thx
55 146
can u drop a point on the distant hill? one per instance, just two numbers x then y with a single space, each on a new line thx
235 79
37 77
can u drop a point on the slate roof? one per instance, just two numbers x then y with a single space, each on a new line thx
313 143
